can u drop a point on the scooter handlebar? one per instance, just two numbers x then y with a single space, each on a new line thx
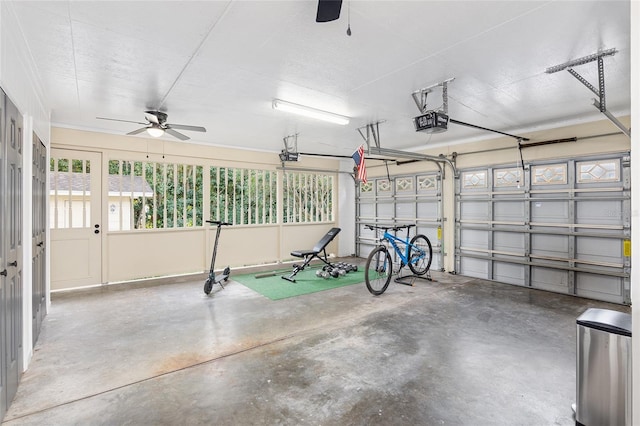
217 222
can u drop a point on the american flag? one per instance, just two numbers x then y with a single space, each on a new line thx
358 157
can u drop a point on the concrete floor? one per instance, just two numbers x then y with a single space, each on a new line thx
458 351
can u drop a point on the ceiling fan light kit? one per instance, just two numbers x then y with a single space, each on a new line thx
154 131
306 111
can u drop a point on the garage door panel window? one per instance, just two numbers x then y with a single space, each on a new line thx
366 189
550 174
507 178
598 171
383 187
474 180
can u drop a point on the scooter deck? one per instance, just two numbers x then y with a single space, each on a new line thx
220 277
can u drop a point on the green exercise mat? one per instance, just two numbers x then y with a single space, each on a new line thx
276 288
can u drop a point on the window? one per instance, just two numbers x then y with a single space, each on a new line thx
243 196
507 177
307 197
69 193
553 174
477 179
154 195
598 171
404 184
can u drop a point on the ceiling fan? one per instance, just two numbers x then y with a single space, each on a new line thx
157 125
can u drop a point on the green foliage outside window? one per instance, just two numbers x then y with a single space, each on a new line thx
307 197
162 195
243 196
170 195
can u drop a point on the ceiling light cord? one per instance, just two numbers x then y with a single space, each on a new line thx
349 18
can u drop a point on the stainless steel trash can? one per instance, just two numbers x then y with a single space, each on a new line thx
603 368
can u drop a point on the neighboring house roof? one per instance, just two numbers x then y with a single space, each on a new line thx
118 185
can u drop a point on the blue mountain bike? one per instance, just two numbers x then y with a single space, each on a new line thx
416 253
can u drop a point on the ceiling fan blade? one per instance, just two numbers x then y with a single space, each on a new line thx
185 127
135 132
176 134
328 10
151 118
115 119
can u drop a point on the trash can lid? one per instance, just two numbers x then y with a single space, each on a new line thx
606 320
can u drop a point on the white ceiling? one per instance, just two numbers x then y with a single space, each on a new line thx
219 64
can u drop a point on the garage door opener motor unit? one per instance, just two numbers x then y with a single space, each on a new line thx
431 122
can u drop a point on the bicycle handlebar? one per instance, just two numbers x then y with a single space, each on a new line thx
217 222
386 228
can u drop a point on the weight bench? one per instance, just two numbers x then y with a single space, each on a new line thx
318 251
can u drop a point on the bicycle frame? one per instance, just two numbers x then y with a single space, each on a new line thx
393 240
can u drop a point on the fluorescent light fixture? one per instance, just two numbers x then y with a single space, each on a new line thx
306 111
156 132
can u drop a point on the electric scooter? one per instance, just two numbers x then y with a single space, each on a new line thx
213 278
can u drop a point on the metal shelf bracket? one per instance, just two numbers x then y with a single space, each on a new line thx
599 103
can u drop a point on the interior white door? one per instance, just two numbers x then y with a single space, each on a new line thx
75 219
38 235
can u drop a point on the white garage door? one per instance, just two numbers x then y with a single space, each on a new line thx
563 227
415 199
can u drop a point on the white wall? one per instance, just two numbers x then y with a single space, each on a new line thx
139 254
347 209
635 204
20 81
19 76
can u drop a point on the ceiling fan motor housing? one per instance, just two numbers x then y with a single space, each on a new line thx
162 117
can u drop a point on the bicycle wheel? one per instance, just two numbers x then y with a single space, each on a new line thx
377 272
420 255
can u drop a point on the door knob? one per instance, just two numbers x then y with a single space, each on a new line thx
40 243
4 273
14 263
